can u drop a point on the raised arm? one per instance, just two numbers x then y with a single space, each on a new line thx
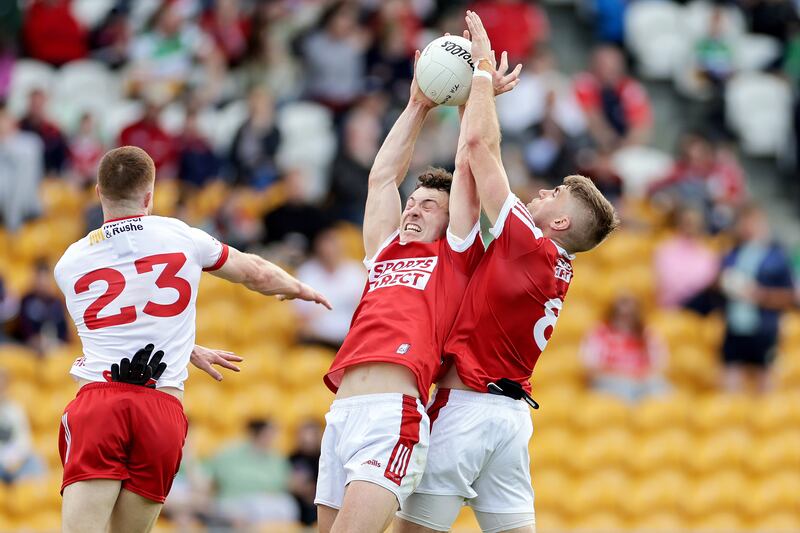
482 127
383 209
465 203
259 275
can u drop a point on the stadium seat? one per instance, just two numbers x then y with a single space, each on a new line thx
697 16
753 52
552 447
755 107
28 74
90 13
550 486
649 23
659 491
601 448
639 166
784 522
659 522
221 126
776 453
721 491
662 412
716 411
723 448
663 449
714 522
600 411
775 412
598 521
83 85
118 116
19 361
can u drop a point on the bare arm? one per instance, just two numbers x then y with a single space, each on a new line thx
259 275
383 209
482 128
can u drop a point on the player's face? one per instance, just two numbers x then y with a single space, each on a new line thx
550 205
425 216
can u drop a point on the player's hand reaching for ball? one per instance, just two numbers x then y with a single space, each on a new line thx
144 368
417 96
481 47
307 293
504 82
203 358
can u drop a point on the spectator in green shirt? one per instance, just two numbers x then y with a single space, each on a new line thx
251 479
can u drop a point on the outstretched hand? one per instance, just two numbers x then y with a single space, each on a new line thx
481 47
141 369
417 96
501 81
307 293
203 358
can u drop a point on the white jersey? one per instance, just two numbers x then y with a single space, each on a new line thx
133 282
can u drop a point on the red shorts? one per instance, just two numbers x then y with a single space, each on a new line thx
123 431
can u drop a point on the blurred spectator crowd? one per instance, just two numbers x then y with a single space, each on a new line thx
264 116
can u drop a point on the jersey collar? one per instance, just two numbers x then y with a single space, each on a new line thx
563 252
109 221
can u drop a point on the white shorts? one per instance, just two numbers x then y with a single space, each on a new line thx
478 452
379 438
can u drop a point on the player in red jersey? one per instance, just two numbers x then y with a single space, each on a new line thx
129 283
479 441
419 260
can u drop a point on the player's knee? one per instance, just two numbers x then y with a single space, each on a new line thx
506 522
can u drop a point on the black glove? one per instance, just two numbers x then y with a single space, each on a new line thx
141 369
512 389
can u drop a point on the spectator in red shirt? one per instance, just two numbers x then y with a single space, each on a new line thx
229 28
37 121
615 104
51 34
515 26
148 135
622 357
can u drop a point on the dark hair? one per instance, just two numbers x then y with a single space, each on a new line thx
257 425
124 172
435 178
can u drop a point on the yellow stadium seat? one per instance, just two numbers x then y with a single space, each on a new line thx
601 448
552 487
552 447
662 412
598 521
790 329
559 364
659 522
776 493
722 491
785 522
352 240
304 365
546 520
667 448
693 366
557 404
726 448
780 451
25 498
775 412
19 362
604 489
60 196
787 371
54 369
657 492
714 522
600 411
716 411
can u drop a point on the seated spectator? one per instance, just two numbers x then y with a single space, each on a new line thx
111 40
296 223
598 164
616 105
147 134
389 58
335 57
623 357
228 26
706 177
350 169
41 322
256 143
251 479
21 157
9 305
516 26
18 460
305 469
713 52
51 33
684 264
85 151
163 57
551 153
341 280
36 121
756 280
197 162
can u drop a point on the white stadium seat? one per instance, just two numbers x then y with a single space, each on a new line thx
639 166
757 107
221 126
652 29
117 117
90 13
28 74
755 52
81 86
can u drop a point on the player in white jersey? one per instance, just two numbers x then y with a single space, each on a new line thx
133 282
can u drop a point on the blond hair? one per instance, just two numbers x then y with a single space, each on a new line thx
596 220
125 173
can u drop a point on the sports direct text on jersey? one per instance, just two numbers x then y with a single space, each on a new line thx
413 273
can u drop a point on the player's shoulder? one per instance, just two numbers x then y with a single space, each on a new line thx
168 222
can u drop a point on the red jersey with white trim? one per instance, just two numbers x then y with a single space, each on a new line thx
133 282
409 303
512 302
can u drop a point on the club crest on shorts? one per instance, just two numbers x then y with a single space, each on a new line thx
403 348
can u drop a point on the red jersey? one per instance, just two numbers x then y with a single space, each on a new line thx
408 307
511 304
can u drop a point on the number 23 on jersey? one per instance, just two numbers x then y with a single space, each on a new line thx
168 279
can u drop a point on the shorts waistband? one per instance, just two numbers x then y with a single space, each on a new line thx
467 397
361 400
130 387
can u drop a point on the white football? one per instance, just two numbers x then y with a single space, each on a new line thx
444 70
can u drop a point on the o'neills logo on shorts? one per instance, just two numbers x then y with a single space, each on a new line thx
413 272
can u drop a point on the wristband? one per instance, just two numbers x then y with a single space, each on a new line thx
481 74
